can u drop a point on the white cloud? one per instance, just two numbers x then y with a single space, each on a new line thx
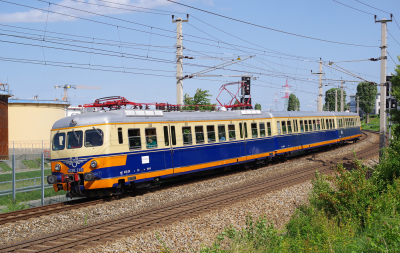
41 16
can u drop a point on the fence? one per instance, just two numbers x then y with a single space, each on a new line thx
31 158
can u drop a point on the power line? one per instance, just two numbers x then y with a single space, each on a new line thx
353 8
371 6
392 59
268 28
393 37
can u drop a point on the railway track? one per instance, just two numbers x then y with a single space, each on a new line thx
75 204
80 238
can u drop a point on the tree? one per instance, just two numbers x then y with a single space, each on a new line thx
257 107
396 93
330 100
294 103
366 93
199 98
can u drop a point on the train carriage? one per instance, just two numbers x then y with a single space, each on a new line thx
105 152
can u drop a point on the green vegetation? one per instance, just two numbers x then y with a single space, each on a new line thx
12 205
330 100
27 196
366 92
201 97
373 123
4 166
23 175
346 213
294 103
34 164
257 107
396 93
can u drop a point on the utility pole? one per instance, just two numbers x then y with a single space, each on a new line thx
382 130
358 105
335 100
179 59
319 100
341 96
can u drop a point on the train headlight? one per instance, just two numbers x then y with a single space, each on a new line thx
51 179
93 164
57 167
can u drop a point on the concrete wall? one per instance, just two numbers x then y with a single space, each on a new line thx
33 121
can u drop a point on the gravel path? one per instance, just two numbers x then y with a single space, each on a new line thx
192 234
44 225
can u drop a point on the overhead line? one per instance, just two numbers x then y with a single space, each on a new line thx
353 8
268 28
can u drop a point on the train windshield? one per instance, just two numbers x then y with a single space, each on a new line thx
58 141
75 139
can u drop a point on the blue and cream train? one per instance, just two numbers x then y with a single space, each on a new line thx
105 152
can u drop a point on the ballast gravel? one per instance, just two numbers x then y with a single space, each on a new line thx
190 235
58 222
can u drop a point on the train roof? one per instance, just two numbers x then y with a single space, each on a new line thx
129 115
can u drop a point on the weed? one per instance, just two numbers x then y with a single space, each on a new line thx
13 205
164 248
86 215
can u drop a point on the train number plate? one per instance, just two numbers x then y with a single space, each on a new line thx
75 170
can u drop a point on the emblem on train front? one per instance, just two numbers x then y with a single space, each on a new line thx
75 161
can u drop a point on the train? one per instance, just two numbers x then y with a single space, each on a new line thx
107 152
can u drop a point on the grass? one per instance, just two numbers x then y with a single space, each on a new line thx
4 166
34 164
373 123
24 175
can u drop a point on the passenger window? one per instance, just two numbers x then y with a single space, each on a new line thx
278 124
151 137
262 129
284 127
199 134
301 126
318 124
269 128
75 139
327 124
289 127
241 130
310 125
211 133
187 135
330 124
221 133
305 126
314 125
59 141
93 138
254 131
173 135
232 134
134 139
166 136
120 139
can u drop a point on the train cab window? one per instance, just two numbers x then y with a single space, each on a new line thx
94 138
187 135
310 125
120 138
262 129
284 129
306 126
173 135
278 124
211 133
231 132
199 134
289 127
58 141
254 131
269 128
74 139
151 137
221 133
134 139
318 124
166 137
301 126
314 125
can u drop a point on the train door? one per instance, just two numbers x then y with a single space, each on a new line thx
170 143
243 135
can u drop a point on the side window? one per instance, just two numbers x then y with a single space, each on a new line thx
254 131
232 133
187 135
59 141
199 131
330 123
295 126
289 127
241 130
262 129
74 139
151 137
327 124
310 125
120 138
173 135
305 126
269 128
318 124
166 136
211 133
278 124
134 139
314 122
284 131
93 138
221 133
301 126
245 129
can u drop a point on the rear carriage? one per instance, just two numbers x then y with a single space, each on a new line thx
106 152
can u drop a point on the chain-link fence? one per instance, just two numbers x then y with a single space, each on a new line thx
24 167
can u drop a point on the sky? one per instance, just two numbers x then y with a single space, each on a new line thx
127 47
